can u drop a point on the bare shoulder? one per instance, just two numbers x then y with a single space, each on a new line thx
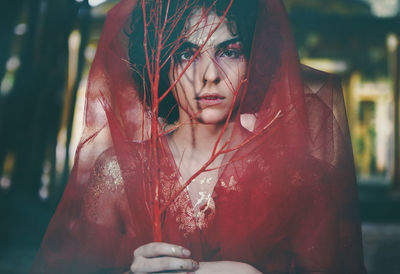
314 79
105 190
106 171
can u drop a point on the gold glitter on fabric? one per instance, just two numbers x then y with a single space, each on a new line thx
206 213
181 208
232 185
184 216
108 175
105 178
189 216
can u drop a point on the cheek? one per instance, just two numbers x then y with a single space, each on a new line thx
235 72
242 67
188 79
242 71
183 90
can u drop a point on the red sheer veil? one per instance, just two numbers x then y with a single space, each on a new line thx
286 200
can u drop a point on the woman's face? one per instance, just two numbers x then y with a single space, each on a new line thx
210 86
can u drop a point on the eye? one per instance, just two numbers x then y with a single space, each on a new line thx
186 55
230 53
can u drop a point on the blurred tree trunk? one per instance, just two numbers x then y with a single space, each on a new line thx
38 91
396 98
30 114
84 23
9 14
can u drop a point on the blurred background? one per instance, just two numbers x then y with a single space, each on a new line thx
46 49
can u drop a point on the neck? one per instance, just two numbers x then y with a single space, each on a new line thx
195 137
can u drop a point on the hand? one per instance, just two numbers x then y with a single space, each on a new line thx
228 267
162 257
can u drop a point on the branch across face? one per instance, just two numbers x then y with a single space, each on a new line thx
212 84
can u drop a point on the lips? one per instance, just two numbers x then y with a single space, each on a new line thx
209 99
209 96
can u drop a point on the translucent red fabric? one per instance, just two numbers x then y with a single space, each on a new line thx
285 200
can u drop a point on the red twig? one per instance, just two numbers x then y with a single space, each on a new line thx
197 52
153 66
221 151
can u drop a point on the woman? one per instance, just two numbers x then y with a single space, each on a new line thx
253 153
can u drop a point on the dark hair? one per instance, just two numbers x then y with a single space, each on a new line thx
241 19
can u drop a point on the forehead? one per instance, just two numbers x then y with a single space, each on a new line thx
200 25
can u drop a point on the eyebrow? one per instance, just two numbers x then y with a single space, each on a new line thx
228 42
187 44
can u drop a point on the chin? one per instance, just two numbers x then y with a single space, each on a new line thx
212 117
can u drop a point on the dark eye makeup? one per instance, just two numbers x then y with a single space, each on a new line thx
232 49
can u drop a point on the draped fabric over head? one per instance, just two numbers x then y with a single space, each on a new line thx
285 200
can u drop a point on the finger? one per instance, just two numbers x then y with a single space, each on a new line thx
164 264
152 250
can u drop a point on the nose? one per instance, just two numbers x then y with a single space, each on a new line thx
211 73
